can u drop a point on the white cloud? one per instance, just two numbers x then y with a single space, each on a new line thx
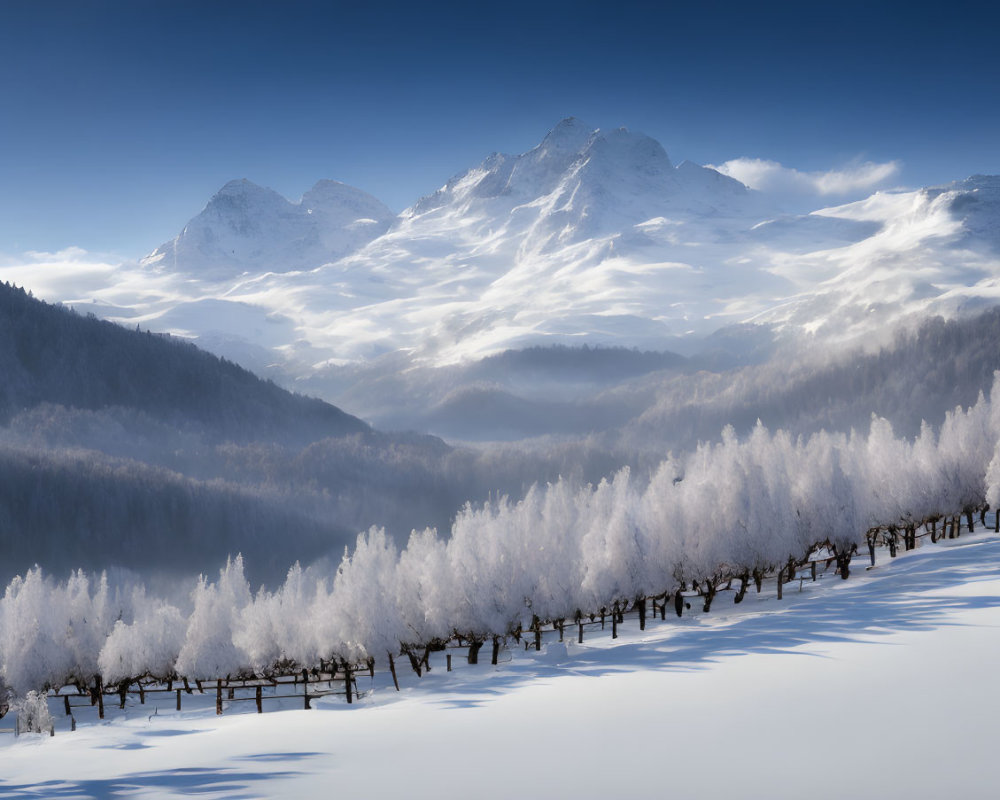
56 276
774 178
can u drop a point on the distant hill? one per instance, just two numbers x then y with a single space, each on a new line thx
50 354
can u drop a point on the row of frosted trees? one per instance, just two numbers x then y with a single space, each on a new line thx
729 510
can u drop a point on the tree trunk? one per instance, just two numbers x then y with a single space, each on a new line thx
392 669
678 602
496 651
781 573
414 663
844 564
758 579
742 591
474 647
709 596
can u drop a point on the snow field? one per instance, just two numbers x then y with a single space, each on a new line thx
879 686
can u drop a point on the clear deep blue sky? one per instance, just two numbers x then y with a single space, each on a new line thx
118 120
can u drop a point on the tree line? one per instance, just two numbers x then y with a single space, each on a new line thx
729 510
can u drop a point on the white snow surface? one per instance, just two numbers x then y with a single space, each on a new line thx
879 686
591 237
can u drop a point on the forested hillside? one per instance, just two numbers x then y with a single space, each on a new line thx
121 448
49 354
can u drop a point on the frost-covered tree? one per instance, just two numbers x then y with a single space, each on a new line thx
147 646
208 649
363 619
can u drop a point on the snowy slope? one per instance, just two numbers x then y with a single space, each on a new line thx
879 686
935 250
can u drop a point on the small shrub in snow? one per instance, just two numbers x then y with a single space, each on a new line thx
33 713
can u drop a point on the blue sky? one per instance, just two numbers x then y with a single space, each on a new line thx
118 120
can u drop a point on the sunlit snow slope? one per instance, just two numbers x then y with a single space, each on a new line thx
591 237
878 686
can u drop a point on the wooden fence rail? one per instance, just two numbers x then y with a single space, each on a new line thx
817 564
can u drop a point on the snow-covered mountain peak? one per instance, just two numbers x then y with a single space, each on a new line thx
592 236
240 203
250 228
579 182
563 144
239 186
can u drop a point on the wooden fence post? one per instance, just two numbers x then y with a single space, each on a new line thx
448 659
178 699
99 686
347 681
259 698
614 622
781 573
66 705
496 650
642 612
218 697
